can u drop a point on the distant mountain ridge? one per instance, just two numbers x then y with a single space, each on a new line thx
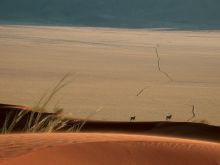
192 14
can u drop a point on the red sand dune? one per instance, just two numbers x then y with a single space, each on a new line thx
109 149
104 149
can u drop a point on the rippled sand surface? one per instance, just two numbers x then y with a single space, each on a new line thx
109 149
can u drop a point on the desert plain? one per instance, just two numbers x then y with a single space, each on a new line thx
109 67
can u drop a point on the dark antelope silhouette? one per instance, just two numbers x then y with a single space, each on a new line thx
132 118
169 117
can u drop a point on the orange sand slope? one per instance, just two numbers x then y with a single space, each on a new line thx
93 148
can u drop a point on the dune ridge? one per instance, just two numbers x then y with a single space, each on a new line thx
162 128
99 148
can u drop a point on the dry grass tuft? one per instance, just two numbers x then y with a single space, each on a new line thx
39 120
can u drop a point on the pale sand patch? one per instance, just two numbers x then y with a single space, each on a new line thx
111 66
96 148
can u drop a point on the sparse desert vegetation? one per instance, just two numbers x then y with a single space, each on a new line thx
37 119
